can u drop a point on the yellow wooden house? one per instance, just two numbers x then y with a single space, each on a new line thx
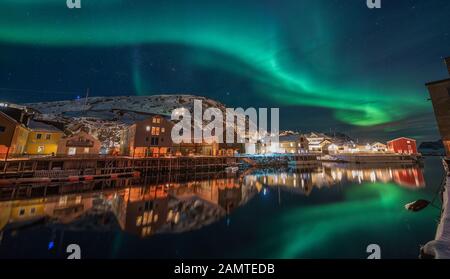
43 139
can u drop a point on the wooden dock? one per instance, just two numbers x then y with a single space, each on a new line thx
44 167
56 188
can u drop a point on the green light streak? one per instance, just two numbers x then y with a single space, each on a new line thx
303 76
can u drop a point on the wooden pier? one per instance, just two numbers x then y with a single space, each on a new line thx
105 165
56 188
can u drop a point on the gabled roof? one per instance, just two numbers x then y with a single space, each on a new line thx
40 126
402 138
289 138
377 142
9 118
437 82
139 117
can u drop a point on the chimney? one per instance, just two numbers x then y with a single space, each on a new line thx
447 61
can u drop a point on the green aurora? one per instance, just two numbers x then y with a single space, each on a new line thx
367 212
298 54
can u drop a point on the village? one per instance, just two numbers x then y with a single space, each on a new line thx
150 136
33 147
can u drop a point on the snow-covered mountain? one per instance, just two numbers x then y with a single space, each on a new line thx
107 107
106 117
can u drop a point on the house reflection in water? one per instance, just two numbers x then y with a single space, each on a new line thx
138 210
141 210
176 207
63 209
305 179
179 205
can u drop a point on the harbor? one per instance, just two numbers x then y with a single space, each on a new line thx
254 201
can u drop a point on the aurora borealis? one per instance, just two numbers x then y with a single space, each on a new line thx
330 63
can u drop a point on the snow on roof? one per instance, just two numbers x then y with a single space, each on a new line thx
289 138
40 126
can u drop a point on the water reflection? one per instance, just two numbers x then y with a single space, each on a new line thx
329 174
172 203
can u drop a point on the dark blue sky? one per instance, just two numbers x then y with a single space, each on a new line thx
328 64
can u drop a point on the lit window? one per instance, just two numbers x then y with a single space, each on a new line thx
48 136
62 200
86 150
156 120
72 151
145 219
163 130
155 131
40 149
147 128
138 221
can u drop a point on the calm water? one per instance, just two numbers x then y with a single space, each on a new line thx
330 211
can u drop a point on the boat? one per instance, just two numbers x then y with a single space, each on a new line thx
302 160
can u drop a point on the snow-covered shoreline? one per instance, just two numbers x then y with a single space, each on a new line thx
439 248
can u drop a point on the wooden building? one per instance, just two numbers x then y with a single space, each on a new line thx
13 136
80 143
440 97
148 137
402 146
43 139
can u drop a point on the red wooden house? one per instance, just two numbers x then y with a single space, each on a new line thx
402 146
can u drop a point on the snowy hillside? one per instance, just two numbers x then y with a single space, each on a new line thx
106 117
107 107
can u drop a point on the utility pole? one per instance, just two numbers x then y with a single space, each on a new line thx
86 100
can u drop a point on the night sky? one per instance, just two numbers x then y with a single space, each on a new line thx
330 65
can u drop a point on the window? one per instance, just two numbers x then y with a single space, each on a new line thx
40 149
139 221
21 212
86 150
163 130
155 131
155 141
33 211
72 151
2 129
38 136
147 128
48 136
156 120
